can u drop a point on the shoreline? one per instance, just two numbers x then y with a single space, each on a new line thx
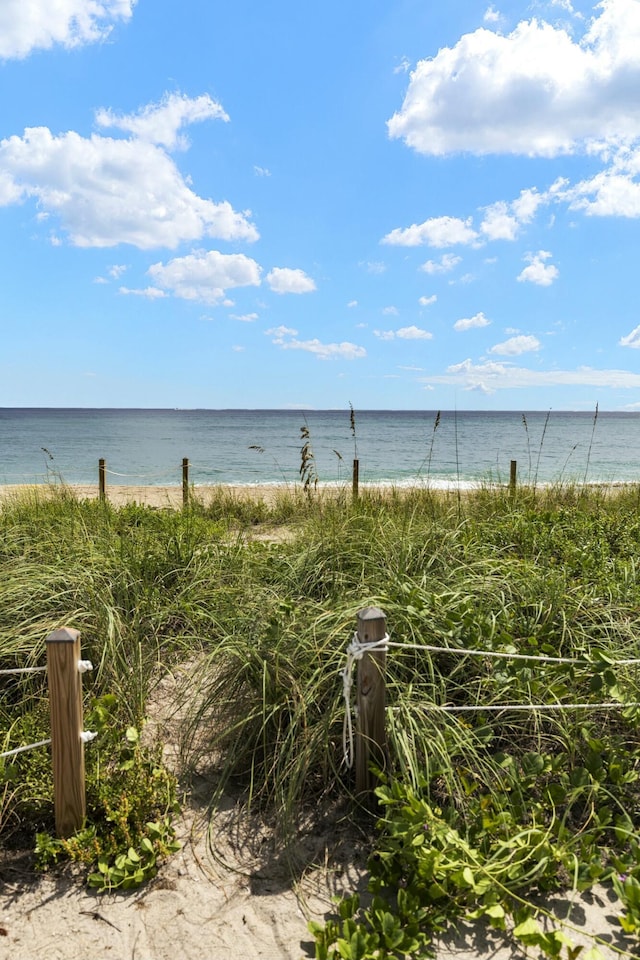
171 495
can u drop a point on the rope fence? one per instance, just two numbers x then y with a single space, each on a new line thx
368 649
64 670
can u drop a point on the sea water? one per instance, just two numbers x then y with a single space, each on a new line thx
264 446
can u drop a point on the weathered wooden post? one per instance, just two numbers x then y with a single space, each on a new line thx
67 748
371 741
102 479
513 477
356 477
185 481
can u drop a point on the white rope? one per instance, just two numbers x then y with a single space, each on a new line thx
532 707
31 746
505 656
8 673
355 651
146 476
86 736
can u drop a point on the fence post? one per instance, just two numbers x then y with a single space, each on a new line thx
513 477
370 741
185 481
356 477
102 479
67 748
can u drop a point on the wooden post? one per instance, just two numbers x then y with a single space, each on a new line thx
513 477
67 748
371 741
185 481
102 479
356 476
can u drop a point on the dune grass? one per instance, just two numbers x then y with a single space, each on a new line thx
258 626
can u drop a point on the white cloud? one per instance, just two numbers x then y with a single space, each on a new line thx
107 191
352 303
27 25
374 266
413 333
404 333
151 293
492 376
204 276
445 264
261 171
631 340
538 271
160 123
427 301
611 192
436 232
285 280
244 317
514 346
536 91
471 323
286 339
491 15
498 223
324 351
280 332
117 270
403 66
237 349
390 311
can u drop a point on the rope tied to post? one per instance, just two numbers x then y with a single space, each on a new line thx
355 651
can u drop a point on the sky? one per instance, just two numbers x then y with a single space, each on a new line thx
389 203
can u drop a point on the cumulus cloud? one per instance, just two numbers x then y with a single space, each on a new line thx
492 375
244 317
491 15
427 301
631 340
436 232
286 339
352 303
514 346
536 91
404 333
390 311
499 223
285 280
27 25
108 191
471 323
538 271
151 293
281 331
445 264
160 123
204 276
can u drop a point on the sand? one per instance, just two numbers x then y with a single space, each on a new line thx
149 496
241 902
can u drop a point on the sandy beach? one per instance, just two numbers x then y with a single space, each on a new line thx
151 496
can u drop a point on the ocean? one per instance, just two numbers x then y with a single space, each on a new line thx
264 446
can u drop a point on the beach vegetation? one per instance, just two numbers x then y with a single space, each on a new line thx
481 814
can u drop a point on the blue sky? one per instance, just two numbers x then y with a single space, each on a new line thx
393 203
